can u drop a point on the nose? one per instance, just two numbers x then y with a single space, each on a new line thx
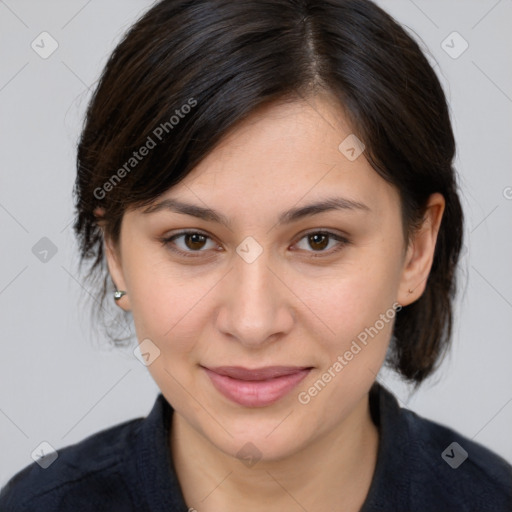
257 308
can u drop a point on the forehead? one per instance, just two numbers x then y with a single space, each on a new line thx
287 151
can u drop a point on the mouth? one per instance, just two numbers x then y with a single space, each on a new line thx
257 387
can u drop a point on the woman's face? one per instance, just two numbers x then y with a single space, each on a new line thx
270 280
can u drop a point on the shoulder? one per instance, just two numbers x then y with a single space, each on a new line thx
453 469
425 466
90 471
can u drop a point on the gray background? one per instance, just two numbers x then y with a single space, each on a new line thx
60 382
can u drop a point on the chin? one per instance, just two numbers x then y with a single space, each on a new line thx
260 450
265 441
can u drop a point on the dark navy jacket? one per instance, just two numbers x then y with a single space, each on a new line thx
422 466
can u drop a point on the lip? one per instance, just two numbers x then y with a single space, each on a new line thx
256 387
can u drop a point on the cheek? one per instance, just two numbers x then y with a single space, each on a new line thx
352 299
359 312
170 309
167 301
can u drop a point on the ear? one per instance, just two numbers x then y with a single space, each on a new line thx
113 257
420 252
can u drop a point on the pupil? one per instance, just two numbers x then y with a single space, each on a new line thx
318 239
195 241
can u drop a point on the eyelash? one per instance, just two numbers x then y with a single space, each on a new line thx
168 242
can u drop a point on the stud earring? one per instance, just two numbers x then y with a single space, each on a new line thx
118 294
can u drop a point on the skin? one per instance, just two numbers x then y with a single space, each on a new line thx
287 307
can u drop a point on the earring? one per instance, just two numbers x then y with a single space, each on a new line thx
118 294
410 291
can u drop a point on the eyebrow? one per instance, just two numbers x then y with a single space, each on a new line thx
287 217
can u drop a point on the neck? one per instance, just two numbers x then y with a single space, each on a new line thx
333 472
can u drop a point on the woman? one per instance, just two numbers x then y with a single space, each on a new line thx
270 187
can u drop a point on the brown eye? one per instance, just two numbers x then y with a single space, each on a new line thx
319 241
189 243
194 241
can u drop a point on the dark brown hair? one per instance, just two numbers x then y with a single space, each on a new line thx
188 71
